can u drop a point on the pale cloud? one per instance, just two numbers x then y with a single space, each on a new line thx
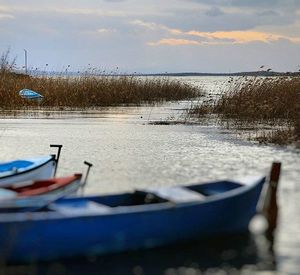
6 16
103 30
6 13
4 8
218 38
155 27
80 9
174 42
241 37
147 25
213 38
96 12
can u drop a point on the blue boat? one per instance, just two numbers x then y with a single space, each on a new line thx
83 226
20 170
29 94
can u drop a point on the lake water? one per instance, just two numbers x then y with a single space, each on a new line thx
128 152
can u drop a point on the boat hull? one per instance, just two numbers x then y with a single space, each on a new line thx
47 236
44 170
34 203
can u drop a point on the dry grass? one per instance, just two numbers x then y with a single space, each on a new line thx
278 136
262 99
86 91
91 91
272 101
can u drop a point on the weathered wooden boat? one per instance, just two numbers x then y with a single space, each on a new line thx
90 225
22 170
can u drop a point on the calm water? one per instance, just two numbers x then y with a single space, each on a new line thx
128 152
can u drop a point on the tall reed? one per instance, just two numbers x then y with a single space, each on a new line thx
91 91
262 99
250 101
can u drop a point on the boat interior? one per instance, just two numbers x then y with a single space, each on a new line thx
170 194
148 196
40 187
14 165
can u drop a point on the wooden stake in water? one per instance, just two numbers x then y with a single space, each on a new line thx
270 208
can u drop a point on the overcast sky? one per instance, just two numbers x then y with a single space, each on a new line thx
153 36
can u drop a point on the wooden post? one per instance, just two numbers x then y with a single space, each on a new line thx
270 209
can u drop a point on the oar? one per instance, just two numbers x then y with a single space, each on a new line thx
48 202
86 175
57 155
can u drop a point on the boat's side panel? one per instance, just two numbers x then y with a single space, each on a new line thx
66 190
44 171
53 238
33 203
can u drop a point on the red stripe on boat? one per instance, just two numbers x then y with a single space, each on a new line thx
41 187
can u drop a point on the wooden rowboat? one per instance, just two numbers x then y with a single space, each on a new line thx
140 219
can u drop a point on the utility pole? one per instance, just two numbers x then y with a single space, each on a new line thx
25 52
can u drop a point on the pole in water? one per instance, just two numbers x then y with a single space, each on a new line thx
270 206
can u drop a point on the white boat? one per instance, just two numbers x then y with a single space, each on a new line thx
22 170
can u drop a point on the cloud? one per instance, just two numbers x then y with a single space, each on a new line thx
147 25
103 30
214 11
241 37
139 33
152 26
251 3
216 18
174 42
221 37
6 16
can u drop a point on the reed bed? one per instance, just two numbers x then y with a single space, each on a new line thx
91 91
253 101
262 99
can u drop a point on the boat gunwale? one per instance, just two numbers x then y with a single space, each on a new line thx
54 187
127 210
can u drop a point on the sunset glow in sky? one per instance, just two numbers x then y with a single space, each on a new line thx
153 36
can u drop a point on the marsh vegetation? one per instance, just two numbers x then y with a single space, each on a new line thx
273 103
87 90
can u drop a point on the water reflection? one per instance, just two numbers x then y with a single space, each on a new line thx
230 255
